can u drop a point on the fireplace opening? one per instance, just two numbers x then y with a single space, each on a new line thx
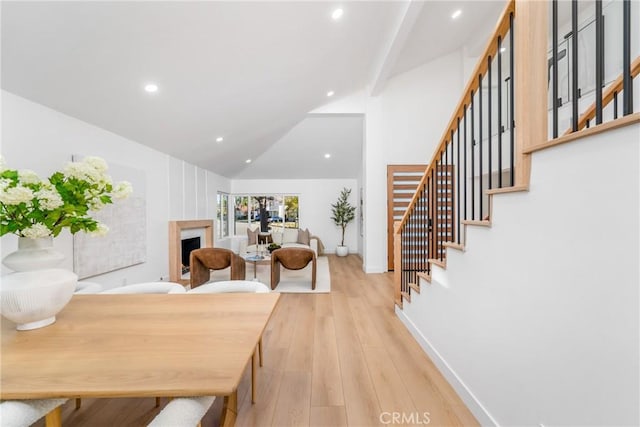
187 246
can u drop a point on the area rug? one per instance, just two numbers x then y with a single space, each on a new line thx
291 281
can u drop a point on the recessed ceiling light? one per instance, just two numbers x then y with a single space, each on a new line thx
248 161
326 156
337 14
330 93
456 14
502 49
219 139
151 87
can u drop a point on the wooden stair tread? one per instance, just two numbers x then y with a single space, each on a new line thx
452 245
480 223
437 262
425 276
405 296
415 287
514 189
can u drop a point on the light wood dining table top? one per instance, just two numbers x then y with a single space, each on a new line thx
136 345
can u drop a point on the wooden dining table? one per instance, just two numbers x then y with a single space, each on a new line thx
106 346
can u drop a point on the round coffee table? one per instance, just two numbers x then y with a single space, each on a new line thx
257 259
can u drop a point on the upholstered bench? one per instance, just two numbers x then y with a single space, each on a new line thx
292 259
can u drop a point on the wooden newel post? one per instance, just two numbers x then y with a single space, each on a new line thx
530 81
397 263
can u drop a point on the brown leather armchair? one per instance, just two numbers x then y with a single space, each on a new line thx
203 260
292 259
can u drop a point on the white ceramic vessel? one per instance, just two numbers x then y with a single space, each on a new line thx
31 299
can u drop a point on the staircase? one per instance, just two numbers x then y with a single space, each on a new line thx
500 120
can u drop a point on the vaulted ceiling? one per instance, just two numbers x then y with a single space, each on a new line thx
248 72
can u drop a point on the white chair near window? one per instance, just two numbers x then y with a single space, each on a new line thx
183 411
147 288
23 413
230 286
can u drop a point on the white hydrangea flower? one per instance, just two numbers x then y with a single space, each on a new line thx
16 195
4 183
122 190
27 176
100 231
76 170
49 199
36 231
96 163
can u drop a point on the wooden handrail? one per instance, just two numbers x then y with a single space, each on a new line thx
491 49
607 97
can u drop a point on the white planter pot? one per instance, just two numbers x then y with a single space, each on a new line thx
33 295
342 250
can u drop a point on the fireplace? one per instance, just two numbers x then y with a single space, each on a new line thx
187 246
185 230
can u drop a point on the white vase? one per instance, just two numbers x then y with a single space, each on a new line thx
36 292
33 254
342 250
31 299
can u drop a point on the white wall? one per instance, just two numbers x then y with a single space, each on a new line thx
316 197
537 323
404 125
39 138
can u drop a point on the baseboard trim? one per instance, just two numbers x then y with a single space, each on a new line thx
474 405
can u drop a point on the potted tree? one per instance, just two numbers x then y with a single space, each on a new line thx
342 214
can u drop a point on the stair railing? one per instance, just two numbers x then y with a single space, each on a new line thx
482 151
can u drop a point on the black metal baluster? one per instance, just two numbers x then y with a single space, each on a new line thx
480 151
413 247
434 213
445 181
458 180
441 201
424 232
464 119
453 193
473 171
615 105
402 255
627 82
512 96
554 24
574 65
599 61
500 130
490 107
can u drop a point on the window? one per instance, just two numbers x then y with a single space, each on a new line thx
280 211
222 227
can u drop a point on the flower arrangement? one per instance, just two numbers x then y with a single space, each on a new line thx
32 207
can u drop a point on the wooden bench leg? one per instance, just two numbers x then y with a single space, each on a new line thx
229 410
54 418
260 350
78 403
253 377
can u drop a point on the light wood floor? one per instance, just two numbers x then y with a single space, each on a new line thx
338 359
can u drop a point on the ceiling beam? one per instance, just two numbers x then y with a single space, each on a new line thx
400 34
